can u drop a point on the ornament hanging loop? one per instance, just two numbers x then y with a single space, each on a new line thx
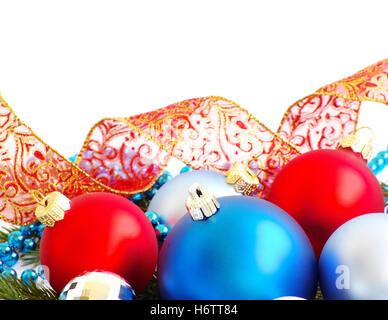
39 198
243 178
358 143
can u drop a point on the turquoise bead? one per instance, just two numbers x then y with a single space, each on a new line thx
151 192
137 197
29 245
16 240
161 231
40 272
29 275
40 230
153 217
26 230
186 169
12 259
10 272
5 251
165 177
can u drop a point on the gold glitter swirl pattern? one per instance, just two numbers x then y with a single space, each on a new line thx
127 155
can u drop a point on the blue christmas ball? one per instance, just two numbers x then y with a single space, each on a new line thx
249 249
354 261
169 201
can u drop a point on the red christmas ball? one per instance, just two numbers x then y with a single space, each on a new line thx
101 231
323 189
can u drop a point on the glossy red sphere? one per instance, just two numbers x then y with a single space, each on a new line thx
325 188
100 231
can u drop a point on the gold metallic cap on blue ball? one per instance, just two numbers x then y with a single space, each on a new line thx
201 204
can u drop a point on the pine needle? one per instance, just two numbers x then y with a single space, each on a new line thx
31 258
12 288
5 231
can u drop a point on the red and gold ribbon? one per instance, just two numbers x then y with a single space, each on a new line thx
127 155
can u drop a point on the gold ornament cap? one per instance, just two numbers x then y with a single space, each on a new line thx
51 208
201 204
357 144
243 179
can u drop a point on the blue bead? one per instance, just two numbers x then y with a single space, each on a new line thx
12 259
29 275
40 230
40 272
5 251
16 240
29 245
10 272
186 169
161 231
380 163
35 226
26 230
137 197
151 192
385 157
373 166
153 217
165 177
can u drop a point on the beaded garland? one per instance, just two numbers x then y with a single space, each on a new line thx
27 238
22 240
377 165
379 162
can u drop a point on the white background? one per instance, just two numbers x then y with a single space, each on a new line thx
64 65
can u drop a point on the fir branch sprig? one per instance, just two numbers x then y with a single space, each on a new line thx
5 231
31 258
384 187
12 288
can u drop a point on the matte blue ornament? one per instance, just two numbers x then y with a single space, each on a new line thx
354 261
248 249
16 240
2 266
12 259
